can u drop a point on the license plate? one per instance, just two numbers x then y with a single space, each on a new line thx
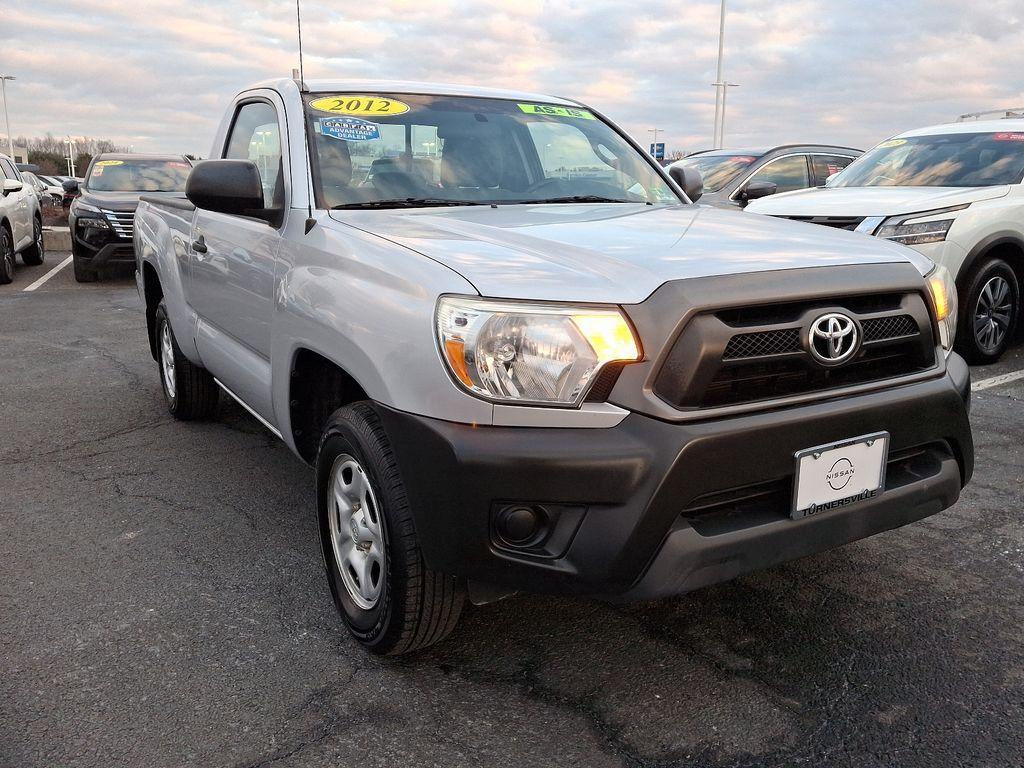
839 474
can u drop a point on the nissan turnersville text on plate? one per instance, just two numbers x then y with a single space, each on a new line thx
520 359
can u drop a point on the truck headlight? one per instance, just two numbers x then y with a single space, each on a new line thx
944 304
545 354
88 222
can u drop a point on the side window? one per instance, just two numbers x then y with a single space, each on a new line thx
826 165
787 173
8 169
256 136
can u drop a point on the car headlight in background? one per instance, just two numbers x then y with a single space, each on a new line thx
547 354
944 304
909 231
87 222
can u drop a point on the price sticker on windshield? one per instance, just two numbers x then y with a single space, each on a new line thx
105 163
553 111
892 143
1009 137
359 104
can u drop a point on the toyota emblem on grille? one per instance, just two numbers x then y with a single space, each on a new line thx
833 339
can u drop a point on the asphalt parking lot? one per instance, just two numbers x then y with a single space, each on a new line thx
162 603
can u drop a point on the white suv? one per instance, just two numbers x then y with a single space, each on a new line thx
952 192
21 223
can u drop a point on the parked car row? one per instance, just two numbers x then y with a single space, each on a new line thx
21 221
529 363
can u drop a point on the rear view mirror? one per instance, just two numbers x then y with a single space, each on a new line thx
12 185
755 190
689 179
227 186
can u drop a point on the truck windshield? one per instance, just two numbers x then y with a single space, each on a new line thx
379 150
138 176
945 160
718 170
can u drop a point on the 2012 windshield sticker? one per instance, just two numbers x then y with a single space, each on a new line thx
348 128
358 104
554 111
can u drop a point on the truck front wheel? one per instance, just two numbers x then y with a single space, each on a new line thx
190 391
390 601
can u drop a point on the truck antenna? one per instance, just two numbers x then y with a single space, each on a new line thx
302 72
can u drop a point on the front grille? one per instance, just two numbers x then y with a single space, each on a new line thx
122 222
765 344
893 327
837 222
735 356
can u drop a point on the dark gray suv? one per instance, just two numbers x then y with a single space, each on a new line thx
733 177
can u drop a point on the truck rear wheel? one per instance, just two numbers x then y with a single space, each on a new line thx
390 601
190 391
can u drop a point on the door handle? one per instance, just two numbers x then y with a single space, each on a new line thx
199 244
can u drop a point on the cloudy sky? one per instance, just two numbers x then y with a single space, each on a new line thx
156 74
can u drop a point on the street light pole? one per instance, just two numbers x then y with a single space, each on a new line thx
7 119
721 127
654 143
719 83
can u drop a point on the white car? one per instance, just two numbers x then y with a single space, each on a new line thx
21 221
955 194
54 187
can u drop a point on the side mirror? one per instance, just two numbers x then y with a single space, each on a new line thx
70 186
689 179
12 185
227 186
755 190
830 178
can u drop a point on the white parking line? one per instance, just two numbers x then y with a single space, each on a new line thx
995 381
48 275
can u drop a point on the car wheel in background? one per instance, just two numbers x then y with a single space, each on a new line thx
989 312
84 272
190 390
6 257
33 255
390 601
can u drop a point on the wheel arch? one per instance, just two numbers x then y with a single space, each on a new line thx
153 293
317 387
1007 245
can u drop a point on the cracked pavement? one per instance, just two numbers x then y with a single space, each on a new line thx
162 603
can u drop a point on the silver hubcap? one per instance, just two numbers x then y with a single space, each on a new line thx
993 313
167 360
355 526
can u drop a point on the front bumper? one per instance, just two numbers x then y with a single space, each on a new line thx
650 508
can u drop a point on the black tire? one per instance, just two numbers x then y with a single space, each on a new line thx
191 392
6 256
986 328
84 272
33 255
416 607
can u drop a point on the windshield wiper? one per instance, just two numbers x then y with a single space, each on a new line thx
573 199
407 202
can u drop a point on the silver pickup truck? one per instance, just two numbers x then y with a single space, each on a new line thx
519 358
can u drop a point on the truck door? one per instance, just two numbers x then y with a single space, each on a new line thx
232 263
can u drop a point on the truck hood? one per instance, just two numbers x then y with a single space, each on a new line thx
614 253
870 201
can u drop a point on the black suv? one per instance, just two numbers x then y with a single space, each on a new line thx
733 177
102 217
